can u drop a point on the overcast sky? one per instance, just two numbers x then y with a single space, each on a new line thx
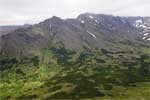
34 11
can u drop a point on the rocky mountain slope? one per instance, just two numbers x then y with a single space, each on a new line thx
89 31
6 29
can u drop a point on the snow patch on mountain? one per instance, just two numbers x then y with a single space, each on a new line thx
139 21
91 17
144 38
146 34
96 21
82 21
93 35
143 25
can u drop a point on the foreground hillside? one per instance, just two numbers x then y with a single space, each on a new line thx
64 74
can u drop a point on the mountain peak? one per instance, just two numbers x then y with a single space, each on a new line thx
55 18
52 21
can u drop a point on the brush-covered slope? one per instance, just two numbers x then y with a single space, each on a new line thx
60 73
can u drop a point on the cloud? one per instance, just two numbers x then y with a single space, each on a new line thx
33 11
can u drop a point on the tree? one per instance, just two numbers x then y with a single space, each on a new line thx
63 55
144 69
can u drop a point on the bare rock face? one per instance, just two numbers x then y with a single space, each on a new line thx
90 31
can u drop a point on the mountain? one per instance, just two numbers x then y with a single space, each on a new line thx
10 28
87 31
93 56
7 29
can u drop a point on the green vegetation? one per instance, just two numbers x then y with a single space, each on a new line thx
58 73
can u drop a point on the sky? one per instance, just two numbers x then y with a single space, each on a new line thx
19 12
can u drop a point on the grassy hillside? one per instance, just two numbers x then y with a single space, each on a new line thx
57 73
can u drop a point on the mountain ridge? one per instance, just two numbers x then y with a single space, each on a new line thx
90 31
